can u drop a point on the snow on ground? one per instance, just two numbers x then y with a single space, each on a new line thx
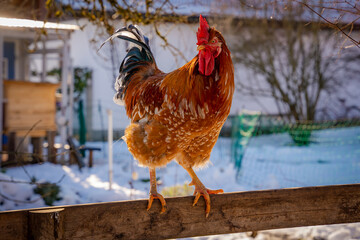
88 186
270 161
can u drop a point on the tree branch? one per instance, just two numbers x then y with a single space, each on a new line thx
336 26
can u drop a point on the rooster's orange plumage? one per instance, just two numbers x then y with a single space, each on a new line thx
176 115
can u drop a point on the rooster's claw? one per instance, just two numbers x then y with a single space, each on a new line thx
205 193
156 195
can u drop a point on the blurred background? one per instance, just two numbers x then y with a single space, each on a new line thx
294 121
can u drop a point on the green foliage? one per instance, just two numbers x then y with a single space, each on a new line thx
56 72
300 134
145 180
33 180
81 78
177 191
301 137
49 192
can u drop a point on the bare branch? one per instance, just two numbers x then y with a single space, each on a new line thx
333 25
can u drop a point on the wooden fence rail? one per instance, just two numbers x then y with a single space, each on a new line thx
230 213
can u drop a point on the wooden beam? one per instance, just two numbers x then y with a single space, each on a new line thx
51 156
37 143
12 146
76 153
30 34
230 213
47 51
46 224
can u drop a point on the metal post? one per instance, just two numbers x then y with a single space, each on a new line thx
89 108
110 142
71 98
1 90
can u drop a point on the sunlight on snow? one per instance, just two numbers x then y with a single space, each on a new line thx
96 182
70 173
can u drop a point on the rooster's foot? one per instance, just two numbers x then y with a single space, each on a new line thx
201 190
157 195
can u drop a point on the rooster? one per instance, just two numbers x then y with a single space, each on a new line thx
177 115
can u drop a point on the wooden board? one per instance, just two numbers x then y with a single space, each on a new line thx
76 153
26 104
230 213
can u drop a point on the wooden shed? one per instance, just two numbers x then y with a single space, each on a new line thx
29 105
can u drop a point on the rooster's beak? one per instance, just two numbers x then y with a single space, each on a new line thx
200 47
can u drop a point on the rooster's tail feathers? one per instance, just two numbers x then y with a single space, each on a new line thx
139 54
132 33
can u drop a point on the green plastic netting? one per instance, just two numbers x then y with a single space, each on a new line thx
267 148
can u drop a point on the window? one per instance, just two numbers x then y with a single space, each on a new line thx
9 60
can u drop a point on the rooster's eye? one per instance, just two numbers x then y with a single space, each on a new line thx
213 41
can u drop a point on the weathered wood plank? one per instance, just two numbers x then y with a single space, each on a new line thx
37 143
13 225
12 146
46 224
76 153
23 112
230 213
50 136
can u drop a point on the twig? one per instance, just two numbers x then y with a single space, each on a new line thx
356 43
19 201
16 181
167 44
27 133
30 183
20 144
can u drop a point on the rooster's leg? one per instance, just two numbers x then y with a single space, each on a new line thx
201 190
153 191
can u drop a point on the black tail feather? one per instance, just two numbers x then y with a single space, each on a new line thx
138 54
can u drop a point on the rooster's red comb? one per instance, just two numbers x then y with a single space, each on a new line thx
203 31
